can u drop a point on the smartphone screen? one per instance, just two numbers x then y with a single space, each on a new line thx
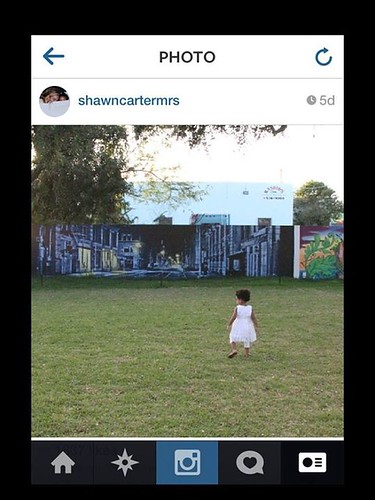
187 260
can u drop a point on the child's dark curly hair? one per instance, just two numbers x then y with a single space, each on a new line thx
243 294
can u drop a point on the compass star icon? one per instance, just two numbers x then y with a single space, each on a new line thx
125 462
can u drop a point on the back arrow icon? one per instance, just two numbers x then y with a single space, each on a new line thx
323 51
48 56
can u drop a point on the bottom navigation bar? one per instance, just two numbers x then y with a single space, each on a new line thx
187 462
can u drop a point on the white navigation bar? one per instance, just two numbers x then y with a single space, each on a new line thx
187 56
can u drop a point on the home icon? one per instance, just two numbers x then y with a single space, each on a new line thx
63 463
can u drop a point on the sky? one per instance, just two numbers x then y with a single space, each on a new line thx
301 153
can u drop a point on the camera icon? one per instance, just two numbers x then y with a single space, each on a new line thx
187 462
312 462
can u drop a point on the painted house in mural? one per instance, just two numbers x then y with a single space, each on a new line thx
247 250
130 251
72 248
259 246
319 252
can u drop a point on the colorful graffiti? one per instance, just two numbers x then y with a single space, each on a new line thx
321 252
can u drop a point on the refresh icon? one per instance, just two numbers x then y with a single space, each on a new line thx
321 59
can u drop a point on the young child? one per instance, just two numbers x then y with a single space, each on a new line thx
243 324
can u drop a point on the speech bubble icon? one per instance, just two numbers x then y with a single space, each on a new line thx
257 468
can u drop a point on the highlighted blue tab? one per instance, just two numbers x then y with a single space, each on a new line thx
187 462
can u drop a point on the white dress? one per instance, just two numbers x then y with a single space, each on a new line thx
243 329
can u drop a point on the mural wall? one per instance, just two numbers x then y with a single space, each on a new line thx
321 252
189 251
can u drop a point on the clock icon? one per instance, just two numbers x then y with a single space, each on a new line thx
311 100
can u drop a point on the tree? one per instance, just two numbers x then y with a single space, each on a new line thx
197 135
87 174
315 204
76 175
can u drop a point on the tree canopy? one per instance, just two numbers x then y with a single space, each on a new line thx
315 204
76 175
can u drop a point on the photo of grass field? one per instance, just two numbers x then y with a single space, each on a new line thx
140 358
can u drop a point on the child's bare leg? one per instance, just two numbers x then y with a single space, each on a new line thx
247 346
233 351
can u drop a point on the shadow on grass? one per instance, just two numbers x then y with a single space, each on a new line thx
93 282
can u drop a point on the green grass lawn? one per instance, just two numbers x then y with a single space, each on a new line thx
121 358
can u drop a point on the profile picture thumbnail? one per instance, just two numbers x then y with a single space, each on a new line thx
54 101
